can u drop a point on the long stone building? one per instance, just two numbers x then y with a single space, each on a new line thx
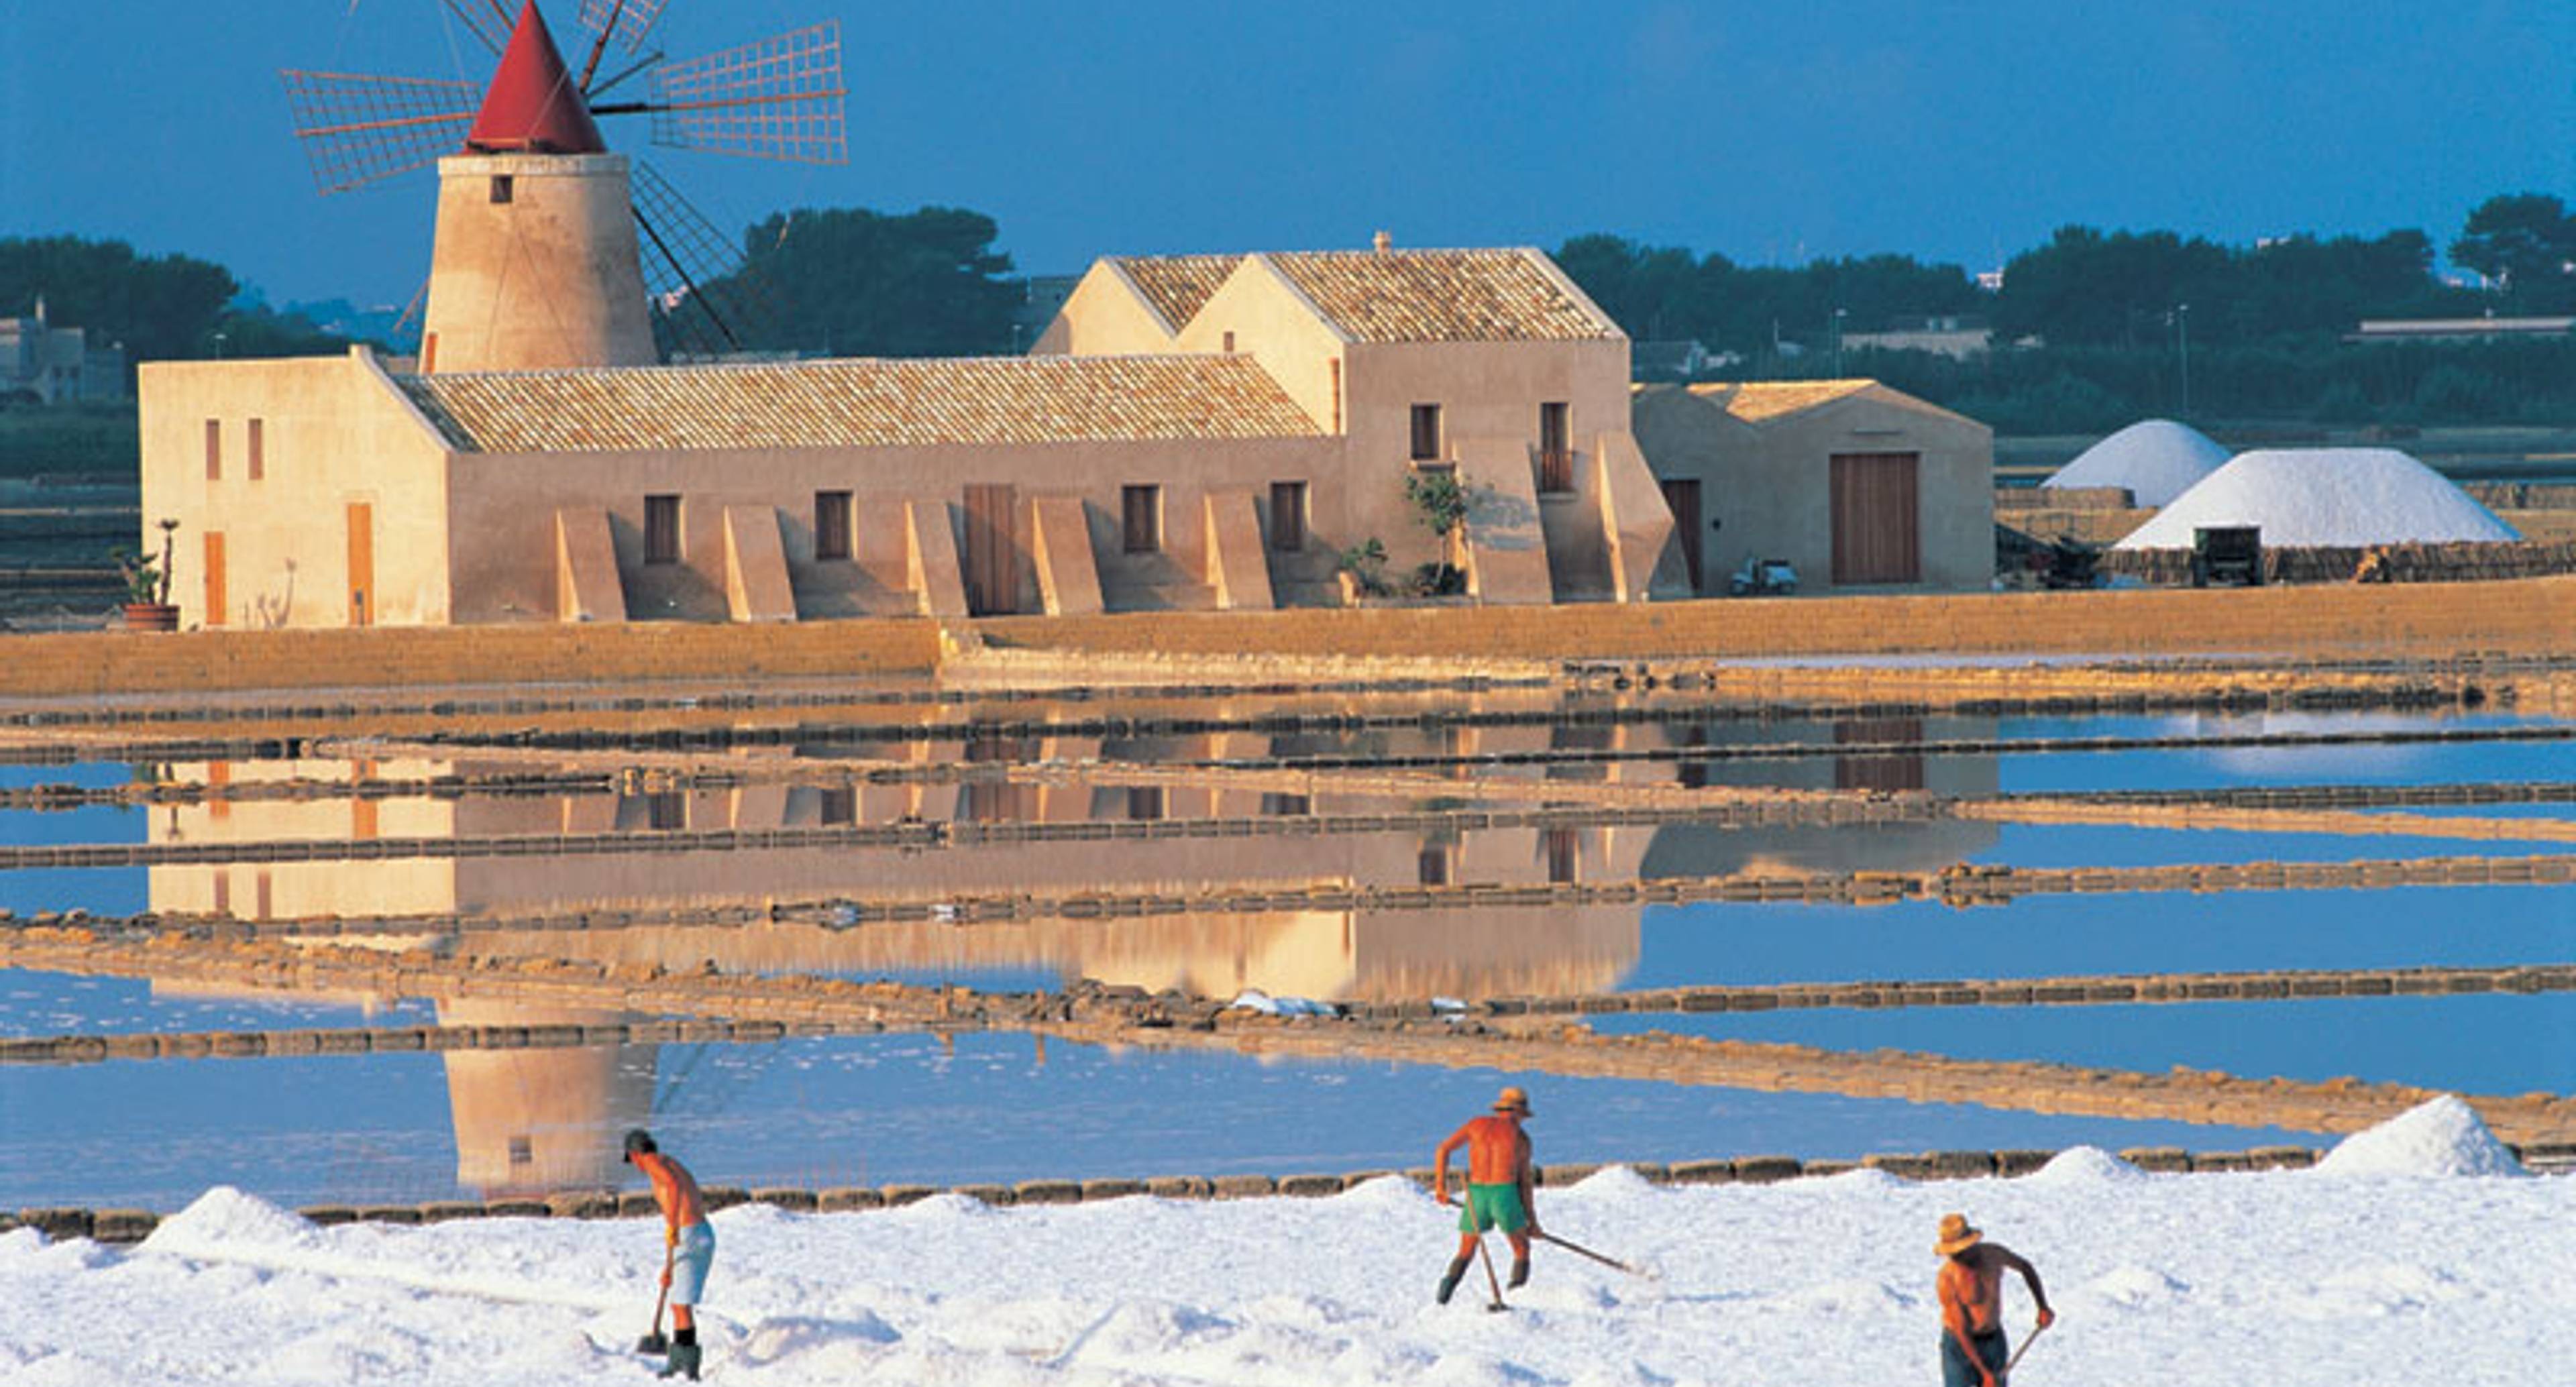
1189 432
1130 465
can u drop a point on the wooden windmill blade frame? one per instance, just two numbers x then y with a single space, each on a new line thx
706 297
627 21
478 16
780 98
358 128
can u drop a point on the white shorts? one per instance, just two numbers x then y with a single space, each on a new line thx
689 1262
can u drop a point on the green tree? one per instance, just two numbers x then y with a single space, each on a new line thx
851 282
2526 244
160 306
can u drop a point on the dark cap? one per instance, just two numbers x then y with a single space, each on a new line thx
638 1141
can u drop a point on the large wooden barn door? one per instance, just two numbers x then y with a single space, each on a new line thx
992 551
1681 497
1877 523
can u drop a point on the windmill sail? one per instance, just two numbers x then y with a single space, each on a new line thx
356 129
707 300
627 21
777 99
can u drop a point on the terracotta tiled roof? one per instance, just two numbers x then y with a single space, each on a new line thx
1756 401
860 404
1177 285
1442 296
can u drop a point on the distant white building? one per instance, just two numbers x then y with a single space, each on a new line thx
57 365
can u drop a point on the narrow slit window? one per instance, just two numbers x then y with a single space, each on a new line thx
214 450
1426 433
661 529
1555 448
255 444
831 525
503 188
1288 516
1142 507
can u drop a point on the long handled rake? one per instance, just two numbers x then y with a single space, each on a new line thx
1491 1280
1580 1250
2015 1360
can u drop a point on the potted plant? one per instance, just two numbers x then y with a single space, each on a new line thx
147 585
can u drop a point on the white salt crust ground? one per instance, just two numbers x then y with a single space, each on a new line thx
2385 1264
2156 459
2325 497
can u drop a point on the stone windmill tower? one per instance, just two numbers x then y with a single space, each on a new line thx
550 251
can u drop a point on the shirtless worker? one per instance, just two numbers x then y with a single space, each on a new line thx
1970 1289
1501 1186
685 1236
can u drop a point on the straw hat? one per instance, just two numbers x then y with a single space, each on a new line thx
1956 1235
1513 1099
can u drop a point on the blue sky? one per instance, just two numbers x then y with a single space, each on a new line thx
1772 133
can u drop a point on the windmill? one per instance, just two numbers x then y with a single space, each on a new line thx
549 250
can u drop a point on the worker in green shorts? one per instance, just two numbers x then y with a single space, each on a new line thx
1501 1186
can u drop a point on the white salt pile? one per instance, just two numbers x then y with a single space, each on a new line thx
2299 1277
2308 497
2085 1165
2442 1137
2156 459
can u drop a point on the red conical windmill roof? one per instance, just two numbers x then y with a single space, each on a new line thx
534 105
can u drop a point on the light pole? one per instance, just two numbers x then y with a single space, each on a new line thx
2182 342
1839 315
219 346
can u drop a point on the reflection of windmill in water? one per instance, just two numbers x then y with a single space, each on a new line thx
548 253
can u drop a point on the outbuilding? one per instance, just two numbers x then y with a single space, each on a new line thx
1856 485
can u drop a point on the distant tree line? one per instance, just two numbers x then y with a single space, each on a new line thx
2117 325
2097 329
160 306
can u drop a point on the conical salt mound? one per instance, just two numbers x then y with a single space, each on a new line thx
2326 497
2156 459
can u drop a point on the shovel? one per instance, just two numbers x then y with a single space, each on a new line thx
655 1342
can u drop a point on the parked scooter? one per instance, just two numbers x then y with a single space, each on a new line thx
1762 577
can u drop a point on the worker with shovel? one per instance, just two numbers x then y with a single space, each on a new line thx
1970 1289
1501 1190
689 1249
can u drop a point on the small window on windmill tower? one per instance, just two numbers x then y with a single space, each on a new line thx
502 188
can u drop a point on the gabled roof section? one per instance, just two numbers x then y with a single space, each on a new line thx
533 106
1511 295
1178 286
1758 402
860 404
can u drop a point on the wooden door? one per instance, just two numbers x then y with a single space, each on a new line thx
992 551
215 596
362 563
1877 520
1681 497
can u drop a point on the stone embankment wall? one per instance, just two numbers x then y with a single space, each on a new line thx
2532 614
385 656
134 1225
2377 563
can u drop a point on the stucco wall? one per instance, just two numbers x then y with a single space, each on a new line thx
1103 317
333 431
505 505
1485 390
549 278
1769 486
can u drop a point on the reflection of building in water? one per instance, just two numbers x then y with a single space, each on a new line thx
1801 849
529 1121
546 1119
1345 955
